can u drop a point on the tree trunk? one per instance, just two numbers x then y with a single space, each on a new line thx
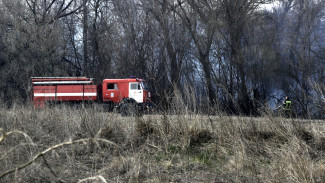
85 37
204 59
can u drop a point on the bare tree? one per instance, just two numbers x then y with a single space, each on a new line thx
201 21
303 43
85 37
33 41
134 48
236 16
47 11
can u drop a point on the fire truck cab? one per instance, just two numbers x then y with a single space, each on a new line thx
116 90
121 91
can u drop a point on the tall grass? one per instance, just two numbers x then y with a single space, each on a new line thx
86 144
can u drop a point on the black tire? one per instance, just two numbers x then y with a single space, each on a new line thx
128 109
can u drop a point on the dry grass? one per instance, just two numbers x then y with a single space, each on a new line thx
179 146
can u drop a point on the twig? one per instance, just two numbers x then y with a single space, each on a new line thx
40 154
150 145
98 177
2 135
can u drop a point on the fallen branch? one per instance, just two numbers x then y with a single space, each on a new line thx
3 135
40 154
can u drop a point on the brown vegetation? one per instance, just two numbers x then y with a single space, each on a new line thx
67 144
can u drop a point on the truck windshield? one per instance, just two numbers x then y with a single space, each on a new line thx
144 86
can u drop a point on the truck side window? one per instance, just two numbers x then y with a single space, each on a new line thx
111 86
135 86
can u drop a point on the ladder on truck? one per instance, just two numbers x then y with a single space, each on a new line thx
61 80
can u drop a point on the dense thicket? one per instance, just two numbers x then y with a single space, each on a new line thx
231 53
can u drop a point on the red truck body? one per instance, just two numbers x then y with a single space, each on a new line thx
74 89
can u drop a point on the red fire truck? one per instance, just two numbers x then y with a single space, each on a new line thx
120 93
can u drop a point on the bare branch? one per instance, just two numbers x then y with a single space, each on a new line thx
50 5
3 135
59 15
95 178
40 154
67 6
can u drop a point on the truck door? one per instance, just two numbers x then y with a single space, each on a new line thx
111 92
135 92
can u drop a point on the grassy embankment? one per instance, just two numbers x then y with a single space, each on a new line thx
65 144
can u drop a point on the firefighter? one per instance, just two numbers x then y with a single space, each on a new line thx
287 107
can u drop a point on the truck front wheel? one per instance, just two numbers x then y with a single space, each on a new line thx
130 109
127 109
